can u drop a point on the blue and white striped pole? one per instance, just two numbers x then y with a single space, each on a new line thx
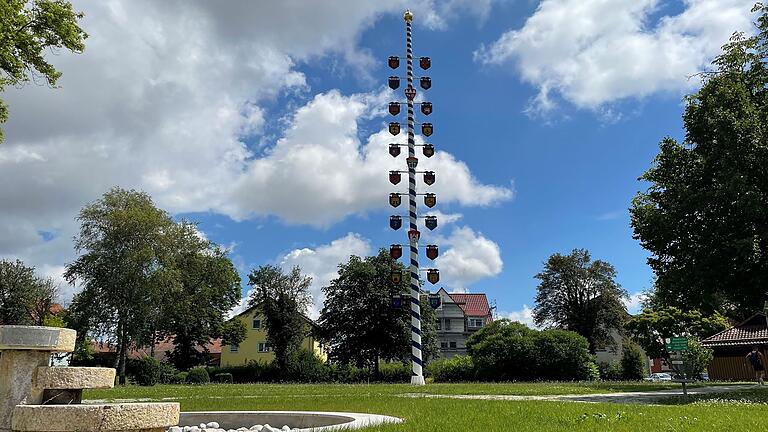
417 376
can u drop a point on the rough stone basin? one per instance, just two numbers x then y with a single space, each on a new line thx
95 418
301 420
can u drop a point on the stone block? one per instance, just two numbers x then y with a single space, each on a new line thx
74 378
51 339
95 418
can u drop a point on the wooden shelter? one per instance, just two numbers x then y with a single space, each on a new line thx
730 347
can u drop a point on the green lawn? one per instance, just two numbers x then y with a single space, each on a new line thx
424 414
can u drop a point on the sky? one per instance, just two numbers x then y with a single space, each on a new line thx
266 123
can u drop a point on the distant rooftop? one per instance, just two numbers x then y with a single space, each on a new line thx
475 305
753 331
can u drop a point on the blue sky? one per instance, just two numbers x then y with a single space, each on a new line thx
266 124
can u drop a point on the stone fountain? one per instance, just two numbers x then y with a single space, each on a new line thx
35 397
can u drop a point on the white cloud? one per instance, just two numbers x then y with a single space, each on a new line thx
593 52
321 263
635 302
469 257
524 315
164 99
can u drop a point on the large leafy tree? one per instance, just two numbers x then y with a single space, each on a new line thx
25 298
284 299
358 324
126 267
580 295
653 325
704 216
27 29
196 311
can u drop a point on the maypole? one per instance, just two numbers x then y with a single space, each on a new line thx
417 377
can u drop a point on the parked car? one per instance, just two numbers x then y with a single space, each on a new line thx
658 377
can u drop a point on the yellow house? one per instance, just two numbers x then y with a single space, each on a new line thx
255 345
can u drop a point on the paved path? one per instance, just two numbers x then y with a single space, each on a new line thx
645 397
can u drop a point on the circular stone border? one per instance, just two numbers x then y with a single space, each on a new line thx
94 418
301 421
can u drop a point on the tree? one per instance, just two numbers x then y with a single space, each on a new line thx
27 28
703 218
652 326
126 268
581 295
358 323
632 361
196 313
25 299
284 299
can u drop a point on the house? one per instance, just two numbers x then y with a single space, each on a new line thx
458 316
105 353
255 345
730 347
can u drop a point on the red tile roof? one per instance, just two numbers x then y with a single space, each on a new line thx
474 305
753 331
214 348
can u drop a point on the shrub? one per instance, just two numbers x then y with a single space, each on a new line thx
395 373
696 359
146 371
223 378
167 374
459 368
610 371
198 375
561 355
593 372
181 378
306 366
632 363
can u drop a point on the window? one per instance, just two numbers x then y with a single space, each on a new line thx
233 348
439 323
443 345
264 347
475 322
453 345
447 324
256 324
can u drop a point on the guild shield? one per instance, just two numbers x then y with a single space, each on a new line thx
425 82
414 235
394 150
428 150
433 276
394 128
395 251
394 199
426 129
396 276
397 301
434 300
394 177
395 222
429 200
394 82
432 252
430 222
410 93
429 177
425 62
394 108
426 108
394 62
412 162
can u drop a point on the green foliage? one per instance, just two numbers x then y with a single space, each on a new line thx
198 375
167 374
580 295
457 369
610 371
284 299
225 378
181 377
51 320
362 294
703 217
652 325
593 372
395 373
696 359
27 30
306 366
147 371
25 299
509 351
632 362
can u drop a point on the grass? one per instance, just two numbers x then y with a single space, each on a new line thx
753 396
426 414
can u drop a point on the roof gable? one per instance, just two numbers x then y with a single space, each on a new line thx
475 305
752 331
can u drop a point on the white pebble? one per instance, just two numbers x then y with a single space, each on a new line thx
213 425
174 429
242 429
186 429
257 428
202 426
286 428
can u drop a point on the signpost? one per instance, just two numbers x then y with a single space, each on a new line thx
675 346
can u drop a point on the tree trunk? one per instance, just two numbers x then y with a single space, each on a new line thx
123 357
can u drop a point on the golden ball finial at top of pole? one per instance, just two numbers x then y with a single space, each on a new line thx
408 15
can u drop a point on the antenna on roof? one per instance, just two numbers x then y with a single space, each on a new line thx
494 314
